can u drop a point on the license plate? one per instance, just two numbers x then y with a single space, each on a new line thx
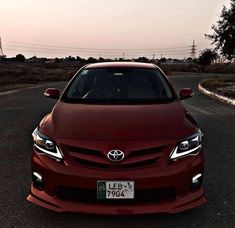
115 189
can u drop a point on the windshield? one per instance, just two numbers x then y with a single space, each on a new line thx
121 85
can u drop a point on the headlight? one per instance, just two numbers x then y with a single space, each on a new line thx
188 146
45 145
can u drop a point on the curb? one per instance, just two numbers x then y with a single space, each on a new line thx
221 98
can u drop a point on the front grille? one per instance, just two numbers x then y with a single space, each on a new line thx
145 152
116 166
85 151
98 159
90 196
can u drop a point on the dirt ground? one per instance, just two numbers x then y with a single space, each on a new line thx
222 85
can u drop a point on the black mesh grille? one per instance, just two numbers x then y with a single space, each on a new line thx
85 151
145 152
111 166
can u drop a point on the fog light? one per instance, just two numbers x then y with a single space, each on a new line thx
197 180
37 180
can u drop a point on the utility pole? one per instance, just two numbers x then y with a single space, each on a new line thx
193 50
1 50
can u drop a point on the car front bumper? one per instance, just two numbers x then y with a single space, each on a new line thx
180 204
178 176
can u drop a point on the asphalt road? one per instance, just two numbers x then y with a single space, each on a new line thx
20 112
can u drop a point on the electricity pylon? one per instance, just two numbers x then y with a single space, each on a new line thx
1 50
193 50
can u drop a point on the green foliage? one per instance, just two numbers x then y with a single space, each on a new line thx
142 59
223 36
91 60
20 58
163 60
207 57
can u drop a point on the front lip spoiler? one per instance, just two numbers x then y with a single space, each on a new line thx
191 201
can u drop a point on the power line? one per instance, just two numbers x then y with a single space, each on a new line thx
53 50
37 48
93 49
48 51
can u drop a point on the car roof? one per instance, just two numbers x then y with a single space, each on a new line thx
121 65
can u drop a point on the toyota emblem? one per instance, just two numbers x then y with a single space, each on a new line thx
115 155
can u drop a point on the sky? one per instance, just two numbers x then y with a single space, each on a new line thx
107 28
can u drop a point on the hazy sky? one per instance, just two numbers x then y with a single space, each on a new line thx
166 27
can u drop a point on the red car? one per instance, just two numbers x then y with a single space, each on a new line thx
118 141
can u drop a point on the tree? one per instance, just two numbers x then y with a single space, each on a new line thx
91 60
70 59
207 57
142 59
223 36
20 58
189 60
101 59
163 60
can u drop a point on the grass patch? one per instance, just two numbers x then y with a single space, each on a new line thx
222 85
16 75
216 82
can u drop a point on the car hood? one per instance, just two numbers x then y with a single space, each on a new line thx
117 122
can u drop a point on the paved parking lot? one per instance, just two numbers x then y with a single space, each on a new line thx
20 112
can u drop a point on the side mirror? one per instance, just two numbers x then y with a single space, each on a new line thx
52 93
186 93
